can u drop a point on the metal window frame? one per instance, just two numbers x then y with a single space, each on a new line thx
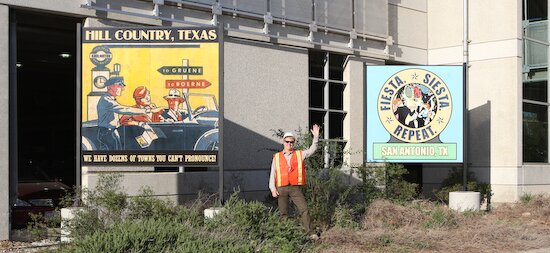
527 69
326 107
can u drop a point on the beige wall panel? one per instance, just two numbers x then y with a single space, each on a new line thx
419 5
353 104
477 51
534 190
496 50
505 175
495 101
534 174
410 55
492 20
408 27
445 55
504 193
444 23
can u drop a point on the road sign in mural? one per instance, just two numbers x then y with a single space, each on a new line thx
414 114
150 96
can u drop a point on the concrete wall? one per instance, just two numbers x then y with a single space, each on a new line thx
495 83
354 104
4 125
265 89
408 26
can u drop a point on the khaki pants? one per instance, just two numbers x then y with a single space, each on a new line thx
297 197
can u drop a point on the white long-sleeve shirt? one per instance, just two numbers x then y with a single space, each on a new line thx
305 154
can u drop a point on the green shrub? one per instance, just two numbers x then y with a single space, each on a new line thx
344 217
454 182
148 224
441 217
326 188
145 205
254 221
526 197
397 188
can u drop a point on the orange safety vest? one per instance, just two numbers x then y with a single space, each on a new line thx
284 176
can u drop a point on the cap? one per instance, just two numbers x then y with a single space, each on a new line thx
288 134
140 92
115 80
173 93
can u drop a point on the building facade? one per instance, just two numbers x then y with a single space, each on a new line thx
286 65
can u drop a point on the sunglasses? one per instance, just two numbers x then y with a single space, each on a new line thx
291 142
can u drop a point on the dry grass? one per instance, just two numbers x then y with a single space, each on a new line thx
427 227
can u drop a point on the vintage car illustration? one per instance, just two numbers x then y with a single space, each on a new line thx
198 131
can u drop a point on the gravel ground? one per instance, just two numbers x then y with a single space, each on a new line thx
15 246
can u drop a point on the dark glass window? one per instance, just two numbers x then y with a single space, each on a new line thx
316 93
535 133
537 91
317 62
336 98
317 117
336 67
535 81
536 10
336 125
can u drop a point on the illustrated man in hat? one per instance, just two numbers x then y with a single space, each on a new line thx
288 177
142 96
173 113
108 111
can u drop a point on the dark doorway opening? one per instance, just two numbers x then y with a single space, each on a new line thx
46 97
414 175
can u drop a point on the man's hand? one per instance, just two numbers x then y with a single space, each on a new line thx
315 130
275 193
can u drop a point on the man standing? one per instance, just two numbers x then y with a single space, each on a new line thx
288 176
108 110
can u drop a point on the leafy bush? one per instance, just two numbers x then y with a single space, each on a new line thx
440 217
526 197
118 223
454 182
397 188
328 194
344 217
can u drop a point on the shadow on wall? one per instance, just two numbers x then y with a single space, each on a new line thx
479 152
245 149
247 160
480 142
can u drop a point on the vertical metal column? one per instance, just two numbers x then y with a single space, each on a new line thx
326 76
465 89
13 147
221 115
78 107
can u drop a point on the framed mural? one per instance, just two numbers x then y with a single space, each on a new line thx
414 114
150 96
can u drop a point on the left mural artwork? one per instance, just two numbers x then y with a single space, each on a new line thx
150 96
